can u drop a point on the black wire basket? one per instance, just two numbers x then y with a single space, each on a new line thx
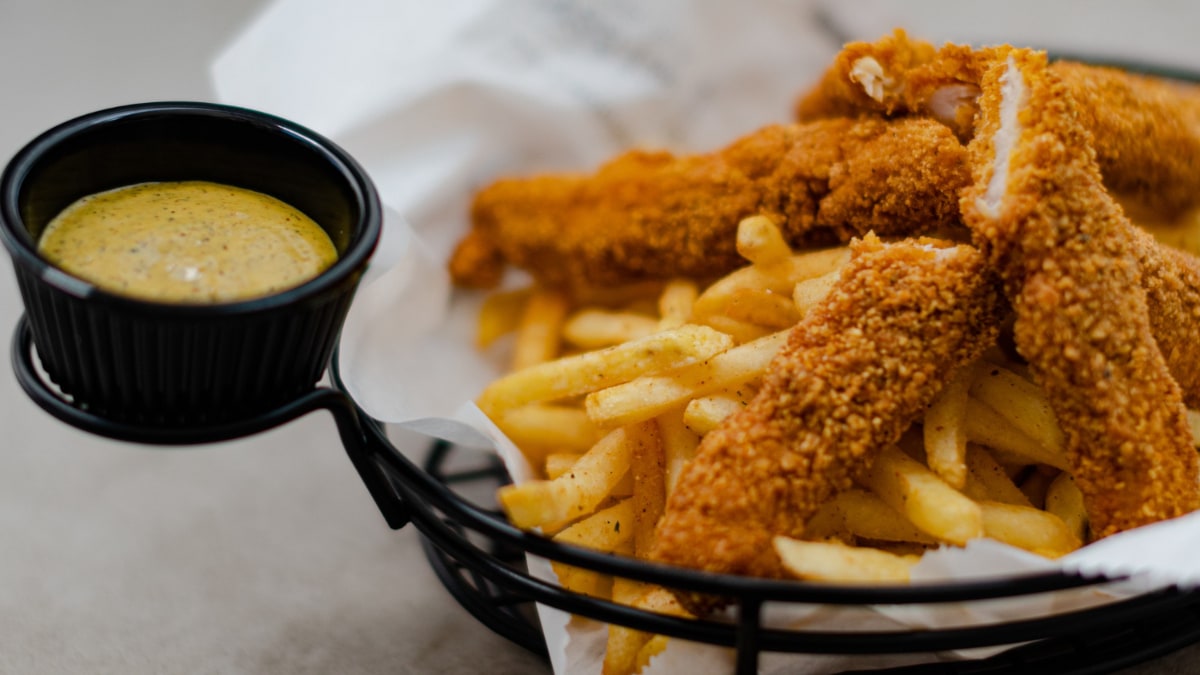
480 558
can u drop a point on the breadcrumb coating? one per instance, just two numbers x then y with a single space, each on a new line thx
1068 258
654 215
1146 130
854 375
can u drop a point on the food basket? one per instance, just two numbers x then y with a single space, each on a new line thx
480 559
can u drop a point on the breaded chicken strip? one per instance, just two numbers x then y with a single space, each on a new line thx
1171 279
1146 129
1068 258
654 215
853 376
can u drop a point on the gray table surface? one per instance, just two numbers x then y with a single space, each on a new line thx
263 555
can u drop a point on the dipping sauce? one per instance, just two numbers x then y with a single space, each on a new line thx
187 242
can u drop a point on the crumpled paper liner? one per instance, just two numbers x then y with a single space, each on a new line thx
436 99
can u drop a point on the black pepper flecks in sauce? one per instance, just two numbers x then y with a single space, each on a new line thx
188 241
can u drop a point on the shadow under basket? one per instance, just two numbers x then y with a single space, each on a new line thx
162 364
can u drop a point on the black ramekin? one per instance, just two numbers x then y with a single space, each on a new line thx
154 363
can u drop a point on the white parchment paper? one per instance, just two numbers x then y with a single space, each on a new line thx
437 99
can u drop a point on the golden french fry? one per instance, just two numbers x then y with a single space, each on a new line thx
625 652
624 643
761 307
987 479
705 413
651 395
583 373
675 303
827 523
865 515
558 463
606 530
987 427
653 647
945 429
808 293
1021 402
538 337
760 241
500 314
544 503
679 444
925 499
741 331
1028 528
648 467
542 427
1064 500
598 328
835 562
780 278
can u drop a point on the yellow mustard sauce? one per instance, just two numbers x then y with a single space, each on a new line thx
188 242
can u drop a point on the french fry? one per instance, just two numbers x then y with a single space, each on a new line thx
945 429
808 293
834 562
651 395
624 653
624 643
1022 403
538 335
925 499
989 428
653 647
558 463
760 241
675 303
1028 528
598 328
583 373
866 515
987 479
764 308
1064 500
606 530
500 314
779 278
741 331
705 413
827 523
648 467
679 445
574 494
538 427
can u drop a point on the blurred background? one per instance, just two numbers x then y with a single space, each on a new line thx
266 555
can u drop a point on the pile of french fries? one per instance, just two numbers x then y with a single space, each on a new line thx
611 391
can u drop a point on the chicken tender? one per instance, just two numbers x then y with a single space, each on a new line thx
654 215
1146 130
1069 261
854 375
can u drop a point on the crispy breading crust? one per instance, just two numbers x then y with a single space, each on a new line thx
1146 130
853 376
841 92
1066 254
654 215
1171 279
